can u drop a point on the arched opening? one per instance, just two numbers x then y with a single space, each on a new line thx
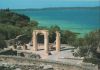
40 41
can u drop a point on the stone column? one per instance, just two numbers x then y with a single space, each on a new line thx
34 41
46 47
57 41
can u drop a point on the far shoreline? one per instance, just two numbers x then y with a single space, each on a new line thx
57 8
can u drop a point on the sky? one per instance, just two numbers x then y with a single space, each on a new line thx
23 4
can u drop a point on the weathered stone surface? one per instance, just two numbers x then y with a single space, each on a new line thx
34 64
48 67
25 67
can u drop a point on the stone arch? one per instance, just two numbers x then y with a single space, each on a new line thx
46 46
45 33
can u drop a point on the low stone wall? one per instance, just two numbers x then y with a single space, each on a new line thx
57 65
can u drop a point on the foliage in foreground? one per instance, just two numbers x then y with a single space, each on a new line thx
87 47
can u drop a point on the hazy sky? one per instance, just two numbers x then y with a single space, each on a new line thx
20 4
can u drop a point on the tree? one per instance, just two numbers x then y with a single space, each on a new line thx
52 34
68 37
12 18
93 41
33 24
2 42
89 44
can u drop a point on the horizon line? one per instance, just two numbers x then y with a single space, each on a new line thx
56 7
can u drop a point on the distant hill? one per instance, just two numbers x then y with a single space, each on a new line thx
57 8
72 7
8 17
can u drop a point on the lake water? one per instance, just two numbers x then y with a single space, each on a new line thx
76 20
